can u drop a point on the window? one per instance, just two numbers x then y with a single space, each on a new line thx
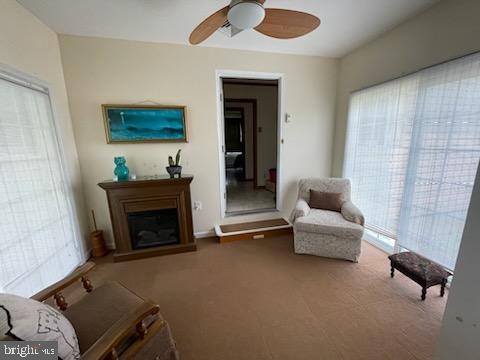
378 146
39 241
412 151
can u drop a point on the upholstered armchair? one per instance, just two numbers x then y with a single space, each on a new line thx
323 232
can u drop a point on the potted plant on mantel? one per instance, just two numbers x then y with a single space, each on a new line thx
174 168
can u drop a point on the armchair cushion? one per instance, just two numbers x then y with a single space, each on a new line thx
328 222
351 213
31 320
301 209
97 311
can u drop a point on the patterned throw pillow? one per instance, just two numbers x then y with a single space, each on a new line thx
27 319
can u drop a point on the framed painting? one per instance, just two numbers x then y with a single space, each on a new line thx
144 123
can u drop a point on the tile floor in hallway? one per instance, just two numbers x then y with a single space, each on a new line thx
243 197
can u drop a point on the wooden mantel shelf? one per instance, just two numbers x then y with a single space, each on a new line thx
146 181
149 193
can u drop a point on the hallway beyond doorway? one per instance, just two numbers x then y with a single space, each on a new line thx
242 197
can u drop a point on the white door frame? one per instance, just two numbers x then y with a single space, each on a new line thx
219 75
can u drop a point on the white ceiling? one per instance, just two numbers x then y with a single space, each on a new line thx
346 24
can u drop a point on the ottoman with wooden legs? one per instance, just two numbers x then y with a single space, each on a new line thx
424 272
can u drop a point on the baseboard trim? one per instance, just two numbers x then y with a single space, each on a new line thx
204 234
87 254
378 244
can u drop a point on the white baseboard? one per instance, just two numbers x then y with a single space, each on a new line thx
204 234
87 254
378 244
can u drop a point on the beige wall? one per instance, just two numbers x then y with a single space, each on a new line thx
445 31
116 71
267 119
460 334
30 47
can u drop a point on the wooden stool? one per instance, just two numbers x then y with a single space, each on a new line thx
424 272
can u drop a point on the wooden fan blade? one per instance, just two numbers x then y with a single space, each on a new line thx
287 24
208 26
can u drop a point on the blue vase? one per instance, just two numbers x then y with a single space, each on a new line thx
121 170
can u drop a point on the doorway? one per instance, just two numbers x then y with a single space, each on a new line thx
235 143
250 135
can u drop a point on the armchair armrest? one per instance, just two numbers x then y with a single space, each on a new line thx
113 337
301 209
79 273
353 214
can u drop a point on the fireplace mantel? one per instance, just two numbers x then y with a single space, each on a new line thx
149 194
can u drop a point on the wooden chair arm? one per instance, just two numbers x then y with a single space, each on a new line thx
50 291
106 345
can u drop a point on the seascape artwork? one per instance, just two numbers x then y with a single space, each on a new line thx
125 124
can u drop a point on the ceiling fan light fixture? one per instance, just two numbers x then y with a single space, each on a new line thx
246 14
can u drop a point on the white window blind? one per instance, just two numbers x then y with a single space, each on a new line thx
412 150
377 150
443 160
39 241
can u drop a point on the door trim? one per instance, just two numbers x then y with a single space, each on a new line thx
219 75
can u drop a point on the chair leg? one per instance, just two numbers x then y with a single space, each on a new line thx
392 271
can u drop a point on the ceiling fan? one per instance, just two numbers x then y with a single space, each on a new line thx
251 14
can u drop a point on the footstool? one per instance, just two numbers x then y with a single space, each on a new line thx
424 272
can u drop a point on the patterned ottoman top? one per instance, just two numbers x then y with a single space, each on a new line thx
419 267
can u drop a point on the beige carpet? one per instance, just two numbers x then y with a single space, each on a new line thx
256 300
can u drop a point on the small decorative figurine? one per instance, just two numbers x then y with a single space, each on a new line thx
121 170
173 168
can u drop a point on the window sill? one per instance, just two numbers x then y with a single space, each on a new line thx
379 244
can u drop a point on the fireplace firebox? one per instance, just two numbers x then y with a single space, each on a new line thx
153 228
150 216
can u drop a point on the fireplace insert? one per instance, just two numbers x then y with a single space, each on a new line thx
153 228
